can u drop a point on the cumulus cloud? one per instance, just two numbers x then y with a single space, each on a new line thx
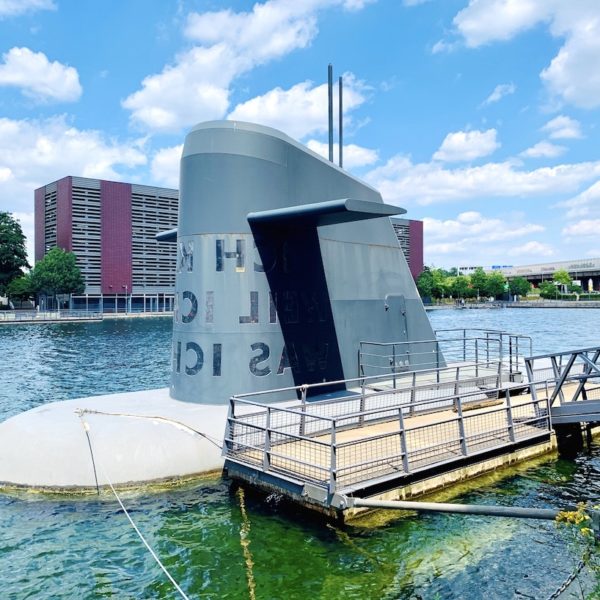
467 145
543 149
585 204
585 227
563 127
165 166
472 238
14 8
300 110
196 86
51 149
39 78
401 181
354 156
501 90
531 249
572 74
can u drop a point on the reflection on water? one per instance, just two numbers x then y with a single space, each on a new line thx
56 547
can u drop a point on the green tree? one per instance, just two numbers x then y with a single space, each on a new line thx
548 290
440 283
519 286
562 277
425 283
479 281
57 273
20 289
495 284
13 256
459 286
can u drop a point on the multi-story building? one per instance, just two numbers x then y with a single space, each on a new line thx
111 229
410 236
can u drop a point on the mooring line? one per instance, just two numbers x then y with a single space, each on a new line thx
135 527
245 543
86 429
173 422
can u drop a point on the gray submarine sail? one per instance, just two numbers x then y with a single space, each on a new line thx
285 263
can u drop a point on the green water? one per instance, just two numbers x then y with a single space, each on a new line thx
64 548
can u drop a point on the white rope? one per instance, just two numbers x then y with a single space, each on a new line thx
154 555
172 422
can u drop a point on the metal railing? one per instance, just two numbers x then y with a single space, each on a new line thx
392 358
515 344
553 371
16 316
346 443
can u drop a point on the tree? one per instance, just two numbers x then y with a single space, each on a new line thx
495 284
20 289
562 277
57 273
548 290
425 283
479 281
13 256
519 286
460 286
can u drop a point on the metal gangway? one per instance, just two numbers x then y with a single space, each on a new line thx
375 436
571 383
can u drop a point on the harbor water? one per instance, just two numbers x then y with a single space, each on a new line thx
220 543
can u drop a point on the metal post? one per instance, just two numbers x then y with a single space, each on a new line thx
361 418
333 461
476 357
340 126
511 425
403 447
461 427
267 451
437 360
330 106
413 393
302 431
394 364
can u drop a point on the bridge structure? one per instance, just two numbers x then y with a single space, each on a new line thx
584 270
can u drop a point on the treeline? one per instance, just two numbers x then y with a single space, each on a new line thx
440 283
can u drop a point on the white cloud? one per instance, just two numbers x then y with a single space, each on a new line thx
39 78
472 238
472 226
585 227
354 156
467 145
572 74
563 127
544 149
501 90
399 180
531 249
13 8
196 86
300 110
584 204
165 166
51 149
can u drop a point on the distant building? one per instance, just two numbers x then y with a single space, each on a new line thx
410 236
111 228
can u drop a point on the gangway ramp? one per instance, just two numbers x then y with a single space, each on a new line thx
319 452
571 382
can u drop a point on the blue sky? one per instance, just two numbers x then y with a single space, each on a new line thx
478 116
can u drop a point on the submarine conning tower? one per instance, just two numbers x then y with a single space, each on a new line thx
285 263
